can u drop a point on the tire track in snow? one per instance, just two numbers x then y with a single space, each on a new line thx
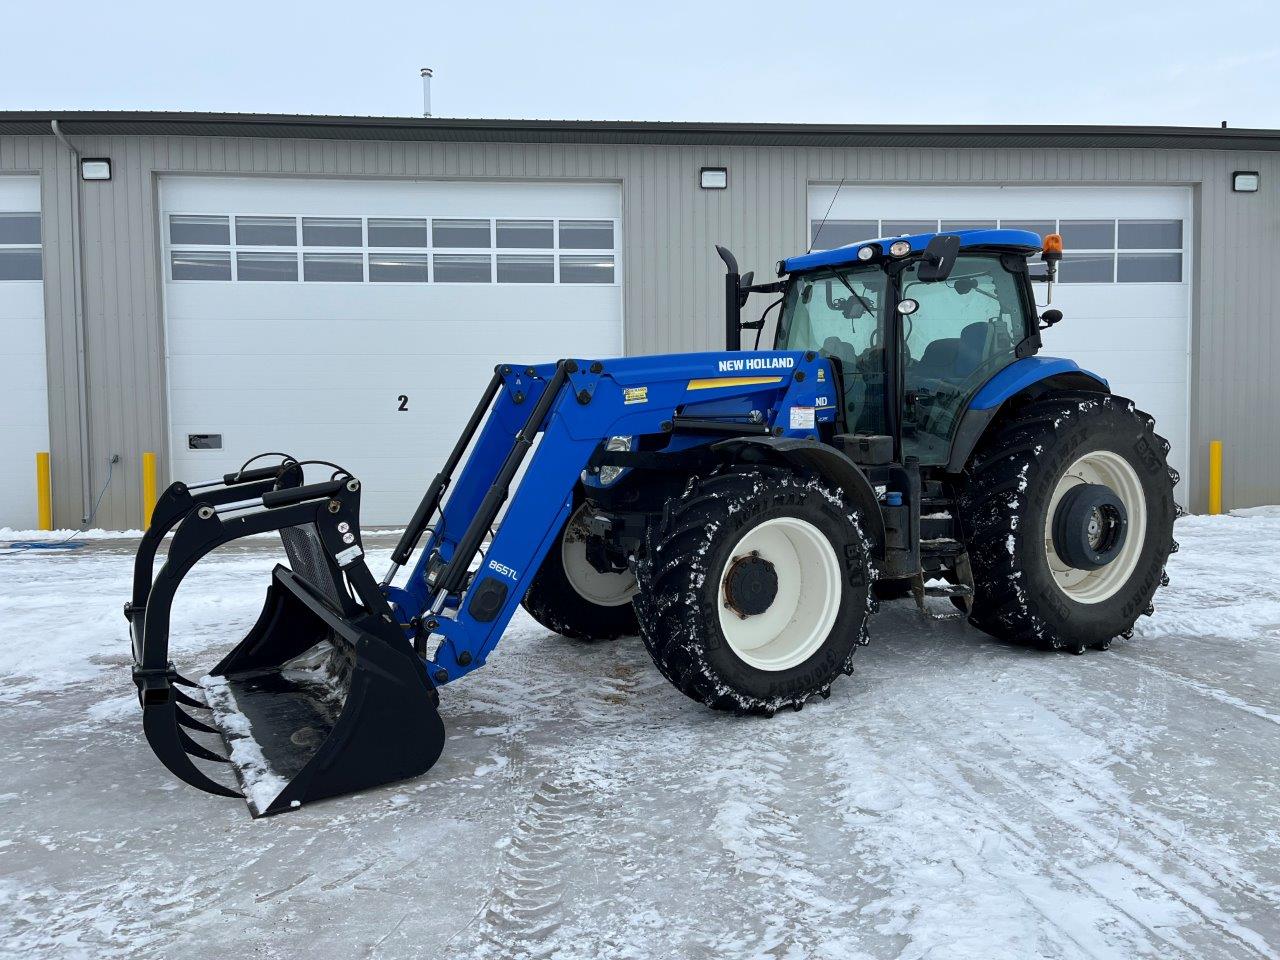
1199 904
523 908
1204 689
887 814
1110 795
1107 793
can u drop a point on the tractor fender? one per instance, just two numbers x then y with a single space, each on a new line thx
826 461
1030 376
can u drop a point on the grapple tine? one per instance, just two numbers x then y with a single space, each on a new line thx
183 681
166 740
187 700
190 722
196 750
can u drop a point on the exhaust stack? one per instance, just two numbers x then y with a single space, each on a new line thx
426 91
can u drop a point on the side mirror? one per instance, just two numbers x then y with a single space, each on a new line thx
1049 318
939 259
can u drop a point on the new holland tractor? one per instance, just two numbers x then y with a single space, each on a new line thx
742 511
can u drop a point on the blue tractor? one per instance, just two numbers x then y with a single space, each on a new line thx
743 511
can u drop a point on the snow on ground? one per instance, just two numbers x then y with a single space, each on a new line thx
955 798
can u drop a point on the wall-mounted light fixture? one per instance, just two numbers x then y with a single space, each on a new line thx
95 168
713 178
1245 181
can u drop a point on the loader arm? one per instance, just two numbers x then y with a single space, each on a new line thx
575 406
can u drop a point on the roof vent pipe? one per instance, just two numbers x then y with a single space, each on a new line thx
426 91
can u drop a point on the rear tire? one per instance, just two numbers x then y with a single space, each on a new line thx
1023 590
573 599
789 551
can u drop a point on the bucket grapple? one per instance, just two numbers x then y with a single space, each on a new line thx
323 696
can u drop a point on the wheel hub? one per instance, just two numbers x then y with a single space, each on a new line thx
1090 526
750 585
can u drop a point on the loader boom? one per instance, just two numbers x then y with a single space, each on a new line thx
576 406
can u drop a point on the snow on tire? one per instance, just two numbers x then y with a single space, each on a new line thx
1019 482
755 589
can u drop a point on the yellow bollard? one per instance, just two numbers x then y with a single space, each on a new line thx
1215 477
148 488
44 492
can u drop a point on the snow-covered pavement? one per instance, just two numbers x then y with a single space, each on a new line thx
955 798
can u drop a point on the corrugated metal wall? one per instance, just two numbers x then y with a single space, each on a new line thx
672 275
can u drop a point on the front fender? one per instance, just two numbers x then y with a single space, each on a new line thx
828 462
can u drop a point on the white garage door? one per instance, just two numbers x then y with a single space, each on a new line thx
1125 293
358 321
24 416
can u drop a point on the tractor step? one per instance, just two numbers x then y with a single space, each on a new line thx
943 548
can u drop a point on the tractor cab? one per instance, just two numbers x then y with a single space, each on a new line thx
916 325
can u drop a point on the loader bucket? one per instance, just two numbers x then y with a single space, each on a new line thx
323 696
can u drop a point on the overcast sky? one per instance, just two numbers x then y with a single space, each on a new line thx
1117 62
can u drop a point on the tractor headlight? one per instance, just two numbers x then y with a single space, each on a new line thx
610 474
866 253
899 248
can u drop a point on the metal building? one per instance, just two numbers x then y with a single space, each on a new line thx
209 286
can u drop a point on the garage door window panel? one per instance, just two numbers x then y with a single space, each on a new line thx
332 232
579 269
906 228
461 234
268 266
586 234
20 247
1088 234
526 268
200 264
1079 267
398 268
398 232
205 231
1149 268
841 233
463 268
266 231
526 234
1150 235
333 267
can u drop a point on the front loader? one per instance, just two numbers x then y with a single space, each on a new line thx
743 511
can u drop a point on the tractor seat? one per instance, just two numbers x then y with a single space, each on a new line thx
939 359
954 358
842 351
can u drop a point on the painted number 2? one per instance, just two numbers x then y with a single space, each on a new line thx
404 402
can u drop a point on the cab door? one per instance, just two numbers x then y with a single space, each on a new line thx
963 331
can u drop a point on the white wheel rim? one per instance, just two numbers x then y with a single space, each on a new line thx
602 589
1113 471
804 610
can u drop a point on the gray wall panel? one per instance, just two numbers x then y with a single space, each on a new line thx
672 275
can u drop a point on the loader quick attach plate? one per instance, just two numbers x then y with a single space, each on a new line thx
323 696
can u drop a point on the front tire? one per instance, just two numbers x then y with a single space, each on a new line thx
755 588
1048 575
572 598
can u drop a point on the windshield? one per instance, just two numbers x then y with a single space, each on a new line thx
841 314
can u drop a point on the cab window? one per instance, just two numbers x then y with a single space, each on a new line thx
840 314
964 331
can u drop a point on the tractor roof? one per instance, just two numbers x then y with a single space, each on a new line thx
1007 241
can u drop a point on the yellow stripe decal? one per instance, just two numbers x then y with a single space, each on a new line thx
714 382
